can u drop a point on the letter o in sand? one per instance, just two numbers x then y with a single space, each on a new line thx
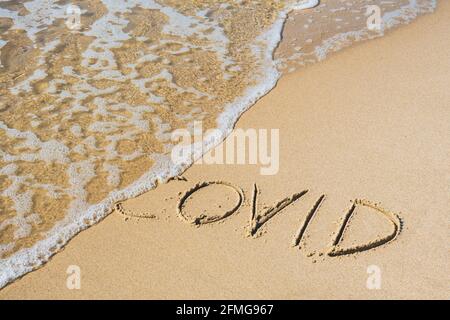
203 218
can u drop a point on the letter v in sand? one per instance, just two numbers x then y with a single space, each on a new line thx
258 220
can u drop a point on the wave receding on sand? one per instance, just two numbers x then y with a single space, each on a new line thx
97 105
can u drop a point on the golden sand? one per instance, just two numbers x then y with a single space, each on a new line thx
85 113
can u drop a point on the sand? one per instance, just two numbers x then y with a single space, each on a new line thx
367 128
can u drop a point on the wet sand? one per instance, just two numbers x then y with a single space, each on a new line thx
370 123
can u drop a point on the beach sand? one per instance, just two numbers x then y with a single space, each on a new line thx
371 123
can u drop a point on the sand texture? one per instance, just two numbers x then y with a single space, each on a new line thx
363 184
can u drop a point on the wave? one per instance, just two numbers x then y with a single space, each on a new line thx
90 95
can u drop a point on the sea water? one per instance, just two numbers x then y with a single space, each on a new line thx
88 102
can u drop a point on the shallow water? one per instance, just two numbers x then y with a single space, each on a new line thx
86 110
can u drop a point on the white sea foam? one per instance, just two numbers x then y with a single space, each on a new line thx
108 36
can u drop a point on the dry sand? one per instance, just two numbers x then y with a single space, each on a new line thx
369 123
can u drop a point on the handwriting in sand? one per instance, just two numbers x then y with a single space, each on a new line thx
259 219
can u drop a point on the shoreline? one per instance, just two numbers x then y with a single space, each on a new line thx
342 178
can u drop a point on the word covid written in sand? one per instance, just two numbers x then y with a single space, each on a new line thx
230 205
